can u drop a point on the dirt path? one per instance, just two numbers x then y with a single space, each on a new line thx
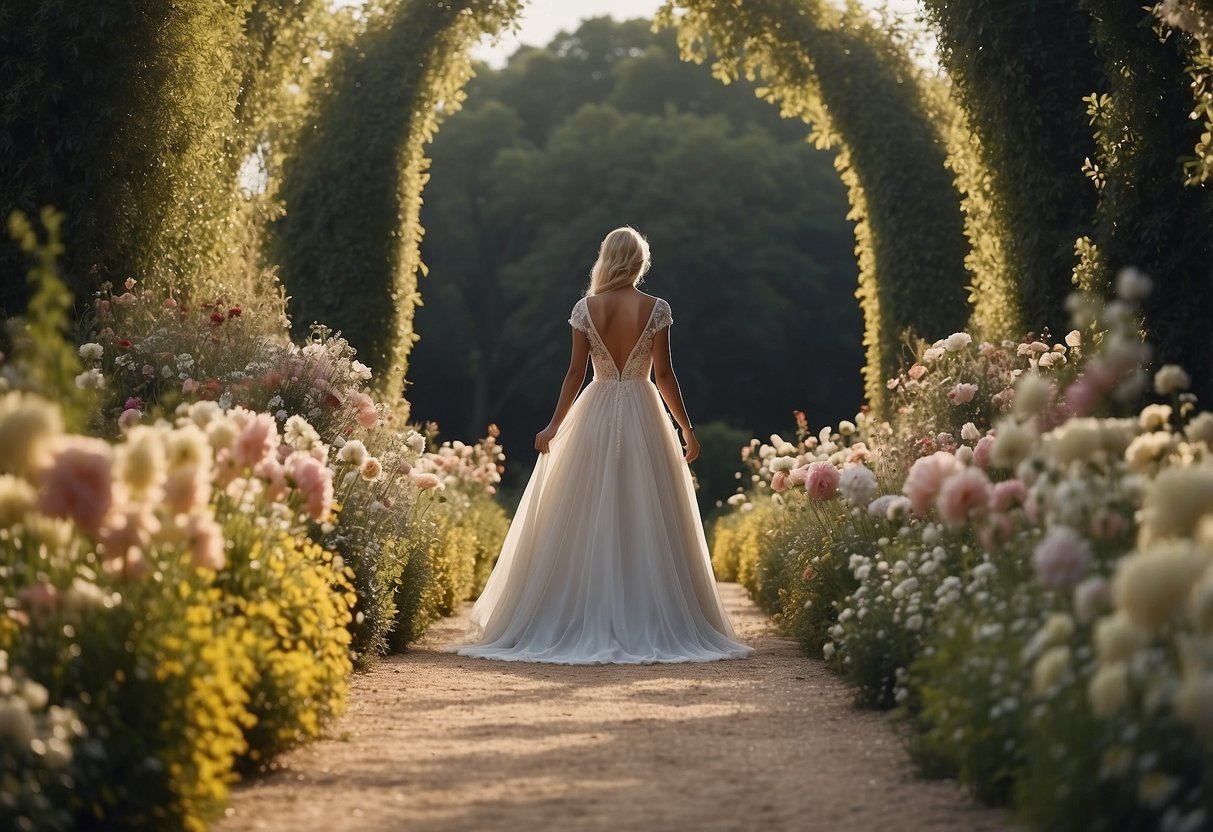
434 741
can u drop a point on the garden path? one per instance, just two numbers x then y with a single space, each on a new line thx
435 741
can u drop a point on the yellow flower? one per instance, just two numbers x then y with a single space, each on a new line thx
28 424
1151 587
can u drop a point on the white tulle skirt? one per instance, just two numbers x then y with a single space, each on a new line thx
605 561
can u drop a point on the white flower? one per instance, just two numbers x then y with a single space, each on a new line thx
969 432
1148 448
1012 443
91 380
353 452
299 434
1133 284
415 441
932 354
1155 416
91 352
957 341
846 428
736 499
359 371
1032 394
1171 379
1200 429
781 463
1074 339
857 484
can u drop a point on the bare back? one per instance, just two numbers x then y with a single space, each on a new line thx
620 318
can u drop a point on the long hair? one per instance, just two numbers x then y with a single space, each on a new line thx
623 260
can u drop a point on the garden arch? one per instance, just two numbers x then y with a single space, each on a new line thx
822 65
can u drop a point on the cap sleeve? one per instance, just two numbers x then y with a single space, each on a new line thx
579 318
662 316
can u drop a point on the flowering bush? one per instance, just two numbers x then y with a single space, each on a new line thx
185 597
1023 569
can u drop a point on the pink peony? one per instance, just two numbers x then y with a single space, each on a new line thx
315 480
981 451
187 489
425 481
1007 495
257 440
78 482
797 476
962 393
926 477
779 482
1062 559
917 371
366 413
205 539
962 496
821 482
129 419
128 528
273 474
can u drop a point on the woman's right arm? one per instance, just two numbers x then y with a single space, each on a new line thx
671 393
573 379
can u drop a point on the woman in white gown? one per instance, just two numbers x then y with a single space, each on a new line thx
605 561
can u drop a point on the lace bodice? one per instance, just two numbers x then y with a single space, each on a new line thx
637 365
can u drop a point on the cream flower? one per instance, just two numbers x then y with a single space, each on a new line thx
857 484
1133 284
1178 500
353 452
1151 587
1200 429
781 463
28 425
91 380
1050 669
371 469
1012 444
17 497
78 482
1108 689
1117 638
91 352
141 462
1155 416
1171 379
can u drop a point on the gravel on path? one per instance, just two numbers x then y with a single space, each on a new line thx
435 741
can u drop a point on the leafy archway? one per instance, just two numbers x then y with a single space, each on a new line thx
822 66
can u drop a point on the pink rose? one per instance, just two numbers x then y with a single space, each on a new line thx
917 371
962 496
129 419
314 480
962 393
257 440
981 451
273 474
1007 495
926 477
187 489
779 482
821 482
78 482
205 540
425 481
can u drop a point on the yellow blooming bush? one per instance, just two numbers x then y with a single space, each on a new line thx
185 598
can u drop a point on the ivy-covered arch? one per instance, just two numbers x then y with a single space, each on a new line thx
350 255
825 67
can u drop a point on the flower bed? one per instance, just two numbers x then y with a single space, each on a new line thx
1019 562
187 589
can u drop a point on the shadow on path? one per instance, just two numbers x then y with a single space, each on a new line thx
435 741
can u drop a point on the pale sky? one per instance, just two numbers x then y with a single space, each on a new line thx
542 20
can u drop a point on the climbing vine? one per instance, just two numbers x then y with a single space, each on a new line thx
860 91
349 243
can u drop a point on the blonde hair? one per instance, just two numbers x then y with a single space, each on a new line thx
623 260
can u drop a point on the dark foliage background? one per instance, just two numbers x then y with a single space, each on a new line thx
607 126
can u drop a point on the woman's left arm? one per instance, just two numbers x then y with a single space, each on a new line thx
573 379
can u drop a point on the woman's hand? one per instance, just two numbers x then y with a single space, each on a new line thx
543 439
691 446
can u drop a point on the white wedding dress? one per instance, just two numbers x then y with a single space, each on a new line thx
605 561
